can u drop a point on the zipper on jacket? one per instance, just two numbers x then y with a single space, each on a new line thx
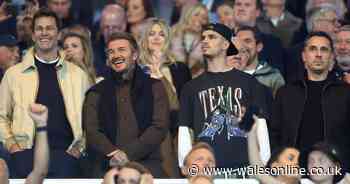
302 113
65 105
323 109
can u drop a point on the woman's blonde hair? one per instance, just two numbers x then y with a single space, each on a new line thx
185 18
87 65
145 52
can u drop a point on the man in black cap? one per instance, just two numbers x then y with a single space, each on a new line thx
9 53
214 103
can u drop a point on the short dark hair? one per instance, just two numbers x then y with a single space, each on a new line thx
275 155
254 30
45 12
319 34
123 36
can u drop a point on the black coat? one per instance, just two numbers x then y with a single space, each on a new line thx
288 108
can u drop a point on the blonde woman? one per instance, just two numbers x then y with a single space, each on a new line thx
187 33
78 51
157 57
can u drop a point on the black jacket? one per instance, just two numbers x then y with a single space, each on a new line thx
288 107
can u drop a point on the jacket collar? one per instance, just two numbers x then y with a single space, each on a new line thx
331 79
29 60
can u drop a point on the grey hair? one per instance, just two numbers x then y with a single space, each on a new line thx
339 6
316 13
344 28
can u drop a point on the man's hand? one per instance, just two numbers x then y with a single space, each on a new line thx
146 179
74 152
39 114
110 175
15 148
118 158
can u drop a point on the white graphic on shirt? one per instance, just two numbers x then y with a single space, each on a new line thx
221 108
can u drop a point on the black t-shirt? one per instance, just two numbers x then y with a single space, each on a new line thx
312 124
210 105
60 134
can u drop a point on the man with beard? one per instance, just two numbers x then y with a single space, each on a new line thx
342 51
214 103
126 116
44 77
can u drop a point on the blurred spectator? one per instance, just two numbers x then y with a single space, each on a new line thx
63 10
179 8
320 19
113 19
157 57
313 108
339 6
126 116
279 22
260 69
131 172
44 63
342 51
77 29
245 14
225 14
7 19
201 156
186 38
78 51
137 12
24 32
326 157
139 30
9 53
201 180
288 159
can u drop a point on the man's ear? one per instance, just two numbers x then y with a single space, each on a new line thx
259 47
226 44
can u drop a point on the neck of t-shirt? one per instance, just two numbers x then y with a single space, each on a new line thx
45 61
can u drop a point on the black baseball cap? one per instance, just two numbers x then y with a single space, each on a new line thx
225 32
8 40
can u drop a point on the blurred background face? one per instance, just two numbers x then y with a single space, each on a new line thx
156 38
74 49
128 176
201 158
60 7
245 11
112 23
318 159
274 8
327 23
247 39
240 60
135 11
198 20
225 14
8 56
342 49
319 2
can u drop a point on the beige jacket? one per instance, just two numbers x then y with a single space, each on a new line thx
19 88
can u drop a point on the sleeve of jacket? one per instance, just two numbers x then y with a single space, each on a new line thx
276 120
153 136
262 98
95 138
6 110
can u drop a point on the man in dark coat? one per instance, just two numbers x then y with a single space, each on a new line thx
126 116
